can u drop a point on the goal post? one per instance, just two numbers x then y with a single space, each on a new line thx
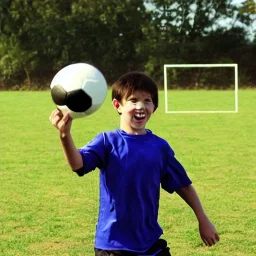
166 89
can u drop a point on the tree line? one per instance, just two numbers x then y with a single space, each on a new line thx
39 37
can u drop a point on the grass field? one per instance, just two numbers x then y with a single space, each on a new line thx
201 100
45 209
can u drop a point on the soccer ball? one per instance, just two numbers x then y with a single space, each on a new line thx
78 89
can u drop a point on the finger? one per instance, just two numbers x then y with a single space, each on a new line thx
56 121
56 117
209 242
205 242
51 115
216 239
212 241
54 113
66 117
64 121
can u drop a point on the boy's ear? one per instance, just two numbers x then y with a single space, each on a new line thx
117 105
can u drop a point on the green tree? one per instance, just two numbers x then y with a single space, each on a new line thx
25 39
39 37
184 30
47 35
248 6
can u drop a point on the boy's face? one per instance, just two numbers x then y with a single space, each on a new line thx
135 112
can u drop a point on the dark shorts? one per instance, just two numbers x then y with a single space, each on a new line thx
159 248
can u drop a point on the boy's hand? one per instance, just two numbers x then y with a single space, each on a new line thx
61 122
208 233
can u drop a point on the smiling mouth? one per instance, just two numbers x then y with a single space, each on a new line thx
139 116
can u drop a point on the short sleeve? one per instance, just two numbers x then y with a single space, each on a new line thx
94 154
175 176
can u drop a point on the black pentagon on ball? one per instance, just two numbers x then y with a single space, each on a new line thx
59 95
76 100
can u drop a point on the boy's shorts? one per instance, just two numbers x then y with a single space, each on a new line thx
159 248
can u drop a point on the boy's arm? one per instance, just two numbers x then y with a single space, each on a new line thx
63 124
207 231
73 157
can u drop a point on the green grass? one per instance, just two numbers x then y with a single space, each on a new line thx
45 209
201 100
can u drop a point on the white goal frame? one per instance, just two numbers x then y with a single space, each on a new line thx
235 66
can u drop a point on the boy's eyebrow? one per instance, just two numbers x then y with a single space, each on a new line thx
131 97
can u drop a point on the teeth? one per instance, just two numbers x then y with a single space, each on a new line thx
140 115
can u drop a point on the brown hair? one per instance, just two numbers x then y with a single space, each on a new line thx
134 81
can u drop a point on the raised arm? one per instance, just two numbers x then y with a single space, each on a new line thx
207 231
63 124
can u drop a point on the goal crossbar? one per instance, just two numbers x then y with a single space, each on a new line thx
235 66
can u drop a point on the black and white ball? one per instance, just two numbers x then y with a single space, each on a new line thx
78 89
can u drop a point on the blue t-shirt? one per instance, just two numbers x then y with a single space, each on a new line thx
132 169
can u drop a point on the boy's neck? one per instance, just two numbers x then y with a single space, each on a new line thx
133 131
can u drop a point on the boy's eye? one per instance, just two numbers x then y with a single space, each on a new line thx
133 100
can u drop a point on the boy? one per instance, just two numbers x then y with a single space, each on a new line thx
133 164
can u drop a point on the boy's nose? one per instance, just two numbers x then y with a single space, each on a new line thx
139 105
